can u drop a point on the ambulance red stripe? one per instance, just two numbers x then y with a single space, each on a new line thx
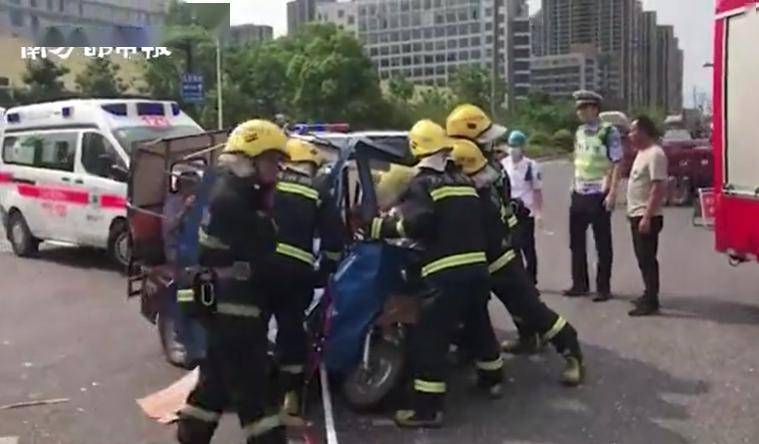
76 197
112 201
6 177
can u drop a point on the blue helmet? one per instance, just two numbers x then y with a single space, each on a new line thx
517 139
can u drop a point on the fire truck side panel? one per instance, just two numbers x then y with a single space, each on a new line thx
736 216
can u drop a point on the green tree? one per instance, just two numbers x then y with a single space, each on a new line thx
100 79
401 89
43 81
434 104
472 84
333 79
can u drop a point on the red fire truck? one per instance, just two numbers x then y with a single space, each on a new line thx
734 202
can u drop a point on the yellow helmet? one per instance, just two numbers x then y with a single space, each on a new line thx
427 137
471 122
299 150
255 137
468 156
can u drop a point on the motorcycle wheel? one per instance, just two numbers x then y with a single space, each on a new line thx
365 388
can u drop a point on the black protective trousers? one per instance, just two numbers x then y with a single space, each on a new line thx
526 241
235 373
589 210
287 297
451 304
532 316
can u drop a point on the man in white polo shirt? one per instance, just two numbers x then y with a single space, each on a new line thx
527 189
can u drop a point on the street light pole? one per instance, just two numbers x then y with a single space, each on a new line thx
219 89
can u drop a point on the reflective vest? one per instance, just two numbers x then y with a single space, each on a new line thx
591 153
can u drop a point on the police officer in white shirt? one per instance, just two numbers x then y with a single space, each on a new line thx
598 152
527 189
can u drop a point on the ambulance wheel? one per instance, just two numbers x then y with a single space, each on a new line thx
119 248
20 237
366 388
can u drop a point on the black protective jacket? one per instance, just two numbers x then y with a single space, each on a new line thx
305 210
443 212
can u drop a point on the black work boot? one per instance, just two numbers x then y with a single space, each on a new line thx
602 296
575 292
194 431
427 412
644 309
274 436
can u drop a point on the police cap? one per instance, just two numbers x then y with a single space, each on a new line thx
585 97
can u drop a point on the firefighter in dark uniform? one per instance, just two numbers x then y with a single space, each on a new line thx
441 210
301 212
235 234
469 122
510 281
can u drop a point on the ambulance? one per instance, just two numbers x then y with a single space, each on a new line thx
64 168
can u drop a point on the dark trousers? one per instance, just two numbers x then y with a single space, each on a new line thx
526 240
440 317
287 297
646 247
531 315
234 372
589 210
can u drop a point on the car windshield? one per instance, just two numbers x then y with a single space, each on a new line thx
129 135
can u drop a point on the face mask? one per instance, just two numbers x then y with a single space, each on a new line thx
515 152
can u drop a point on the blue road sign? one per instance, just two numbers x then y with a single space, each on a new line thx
192 88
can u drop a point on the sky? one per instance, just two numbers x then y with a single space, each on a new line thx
692 20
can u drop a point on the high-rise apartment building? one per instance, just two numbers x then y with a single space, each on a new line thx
342 14
242 35
83 22
519 47
427 41
670 70
561 75
618 29
300 12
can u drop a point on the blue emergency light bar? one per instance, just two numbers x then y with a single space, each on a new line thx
302 128
13 118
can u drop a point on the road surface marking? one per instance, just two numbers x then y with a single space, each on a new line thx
329 420
9 440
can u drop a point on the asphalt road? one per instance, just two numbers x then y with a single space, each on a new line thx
690 375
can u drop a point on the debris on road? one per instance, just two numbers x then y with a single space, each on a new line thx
164 404
19 405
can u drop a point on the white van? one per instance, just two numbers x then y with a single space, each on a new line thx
64 167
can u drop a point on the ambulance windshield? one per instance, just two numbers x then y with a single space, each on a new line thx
129 135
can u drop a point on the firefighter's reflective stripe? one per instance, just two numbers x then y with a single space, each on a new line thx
295 253
423 386
245 311
211 242
513 221
557 327
444 192
400 228
376 231
262 426
332 255
301 190
494 365
292 369
502 261
191 411
186 295
456 260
